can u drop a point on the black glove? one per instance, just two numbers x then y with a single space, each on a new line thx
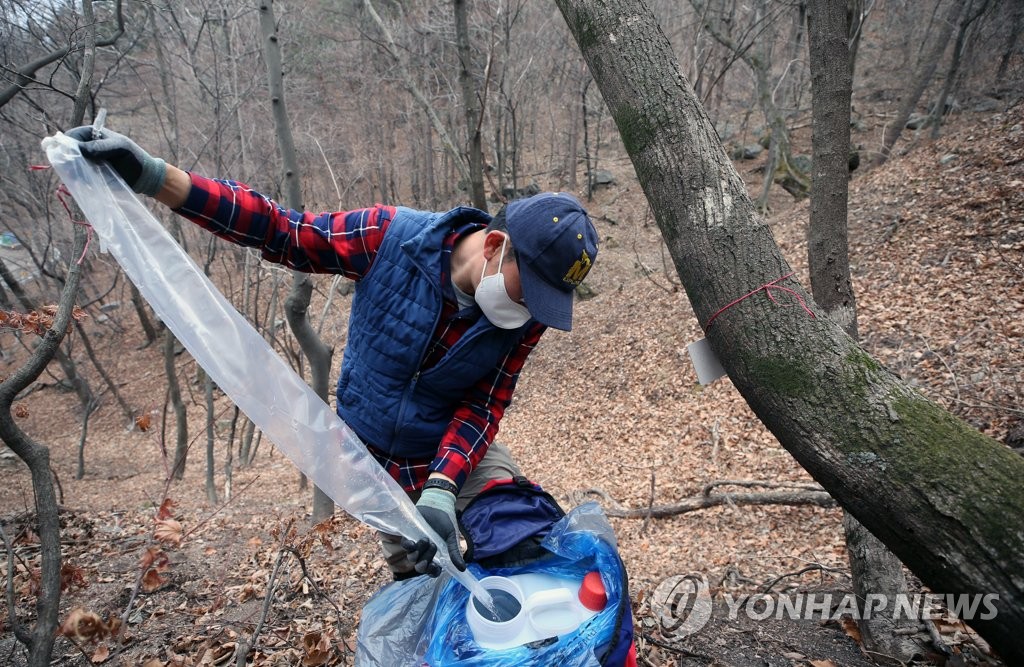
141 171
438 509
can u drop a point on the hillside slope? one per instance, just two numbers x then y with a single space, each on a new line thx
610 411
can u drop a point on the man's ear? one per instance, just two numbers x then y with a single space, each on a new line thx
493 242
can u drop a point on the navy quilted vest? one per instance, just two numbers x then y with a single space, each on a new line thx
382 395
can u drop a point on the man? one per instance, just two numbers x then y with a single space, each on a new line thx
447 308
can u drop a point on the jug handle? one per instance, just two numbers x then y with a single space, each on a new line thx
551 598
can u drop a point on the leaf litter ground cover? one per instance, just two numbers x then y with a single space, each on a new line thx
609 412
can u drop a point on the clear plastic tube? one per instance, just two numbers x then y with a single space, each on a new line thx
302 426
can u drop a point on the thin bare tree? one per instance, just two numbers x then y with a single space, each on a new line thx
875 569
297 303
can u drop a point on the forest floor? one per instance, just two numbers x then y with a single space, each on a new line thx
611 411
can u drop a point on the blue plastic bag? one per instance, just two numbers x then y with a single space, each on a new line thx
422 621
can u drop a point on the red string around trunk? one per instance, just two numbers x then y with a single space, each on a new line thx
767 287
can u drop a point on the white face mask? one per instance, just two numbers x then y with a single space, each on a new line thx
492 298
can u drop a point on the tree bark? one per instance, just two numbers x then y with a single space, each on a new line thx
471 102
180 413
297 303
211 460
875 569
945 498
140 310
37 458
75 379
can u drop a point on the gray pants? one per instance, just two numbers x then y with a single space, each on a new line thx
496 464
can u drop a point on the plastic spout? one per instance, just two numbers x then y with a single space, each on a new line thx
99 122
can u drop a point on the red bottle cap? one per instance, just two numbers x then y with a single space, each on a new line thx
592 593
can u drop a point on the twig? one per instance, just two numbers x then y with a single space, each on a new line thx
12 615
577 497
675 649
667 266
648 273
221 507
243 647
804 570
143 570
956 385
650 506
749 483
694 503
316 586
80 648
128 607
716 437
937 641
986 404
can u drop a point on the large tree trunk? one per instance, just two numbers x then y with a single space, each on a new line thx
875 569
297 303
945 498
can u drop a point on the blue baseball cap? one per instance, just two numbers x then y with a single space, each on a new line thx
555 244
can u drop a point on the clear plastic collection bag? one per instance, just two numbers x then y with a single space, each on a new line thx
302 426
423 621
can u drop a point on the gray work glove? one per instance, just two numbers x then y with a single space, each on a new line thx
142 172
437 507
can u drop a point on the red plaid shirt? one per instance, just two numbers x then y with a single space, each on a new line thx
346 242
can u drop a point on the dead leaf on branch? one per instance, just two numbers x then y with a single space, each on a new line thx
168 531
37 322
155 558
82 625
153 563
852 630
142 422
166 509
72 576
152 580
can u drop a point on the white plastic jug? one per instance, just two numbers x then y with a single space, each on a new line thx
532 607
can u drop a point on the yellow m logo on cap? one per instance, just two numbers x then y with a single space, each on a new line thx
578 271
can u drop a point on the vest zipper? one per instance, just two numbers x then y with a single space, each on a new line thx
407 394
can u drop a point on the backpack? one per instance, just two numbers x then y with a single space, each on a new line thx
505 527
